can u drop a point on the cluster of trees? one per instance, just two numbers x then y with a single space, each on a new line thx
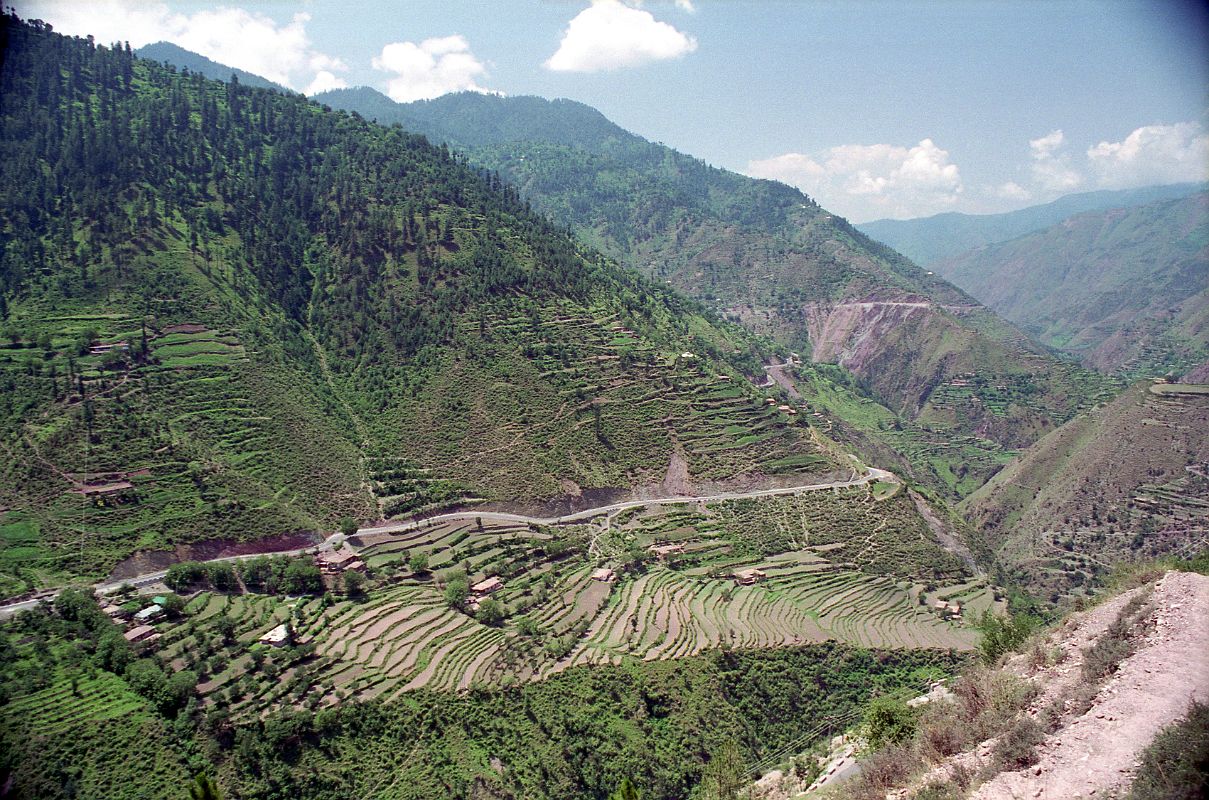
267 574
87 642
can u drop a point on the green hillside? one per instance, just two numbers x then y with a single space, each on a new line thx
229 314
1125 290
1124 481
764 254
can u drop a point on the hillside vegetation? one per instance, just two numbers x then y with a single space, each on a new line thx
1125 290
1127 480
229 313
766 255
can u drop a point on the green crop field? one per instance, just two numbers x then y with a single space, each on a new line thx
856 565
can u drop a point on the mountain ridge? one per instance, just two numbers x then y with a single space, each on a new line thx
1124 289
928 240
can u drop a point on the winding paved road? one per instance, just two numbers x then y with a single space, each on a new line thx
873 474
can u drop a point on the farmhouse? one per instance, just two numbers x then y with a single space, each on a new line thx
748 577
278 637
662 551
489 586
334 562
142 633
114 612
151 612
604 575
941 605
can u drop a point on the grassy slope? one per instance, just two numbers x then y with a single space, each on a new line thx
1119 288
1125 480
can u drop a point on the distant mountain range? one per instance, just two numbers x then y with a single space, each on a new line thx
1125 289
930 239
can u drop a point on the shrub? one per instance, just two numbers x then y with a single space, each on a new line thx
941 732
1002 634
884 770
1017 748
888 720
418 563
1175 766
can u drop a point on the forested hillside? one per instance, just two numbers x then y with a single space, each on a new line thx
1124 290
765 254
230 313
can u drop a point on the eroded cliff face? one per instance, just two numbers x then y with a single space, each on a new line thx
854 333
957 366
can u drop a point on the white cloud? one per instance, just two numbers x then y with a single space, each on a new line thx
864 182
610 35
1051 167
1047 145
324 81
1152 154
1012 191
686 6
430 69
249 40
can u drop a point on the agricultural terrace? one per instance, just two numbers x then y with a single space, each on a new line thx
182 422
541 381
838 565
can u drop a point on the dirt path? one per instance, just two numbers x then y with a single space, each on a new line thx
1153 688
776 372
873 474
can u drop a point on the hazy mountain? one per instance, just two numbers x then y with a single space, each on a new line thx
1125 289
930 239
181 58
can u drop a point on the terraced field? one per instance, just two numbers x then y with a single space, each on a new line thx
826 557
570 378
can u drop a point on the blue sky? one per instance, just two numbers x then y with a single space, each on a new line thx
876 109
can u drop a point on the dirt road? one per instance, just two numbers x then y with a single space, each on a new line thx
873 474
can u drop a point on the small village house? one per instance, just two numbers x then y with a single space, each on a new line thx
334 562
151 612
485 587
604 575
662 551
141 633
750 576
278 637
